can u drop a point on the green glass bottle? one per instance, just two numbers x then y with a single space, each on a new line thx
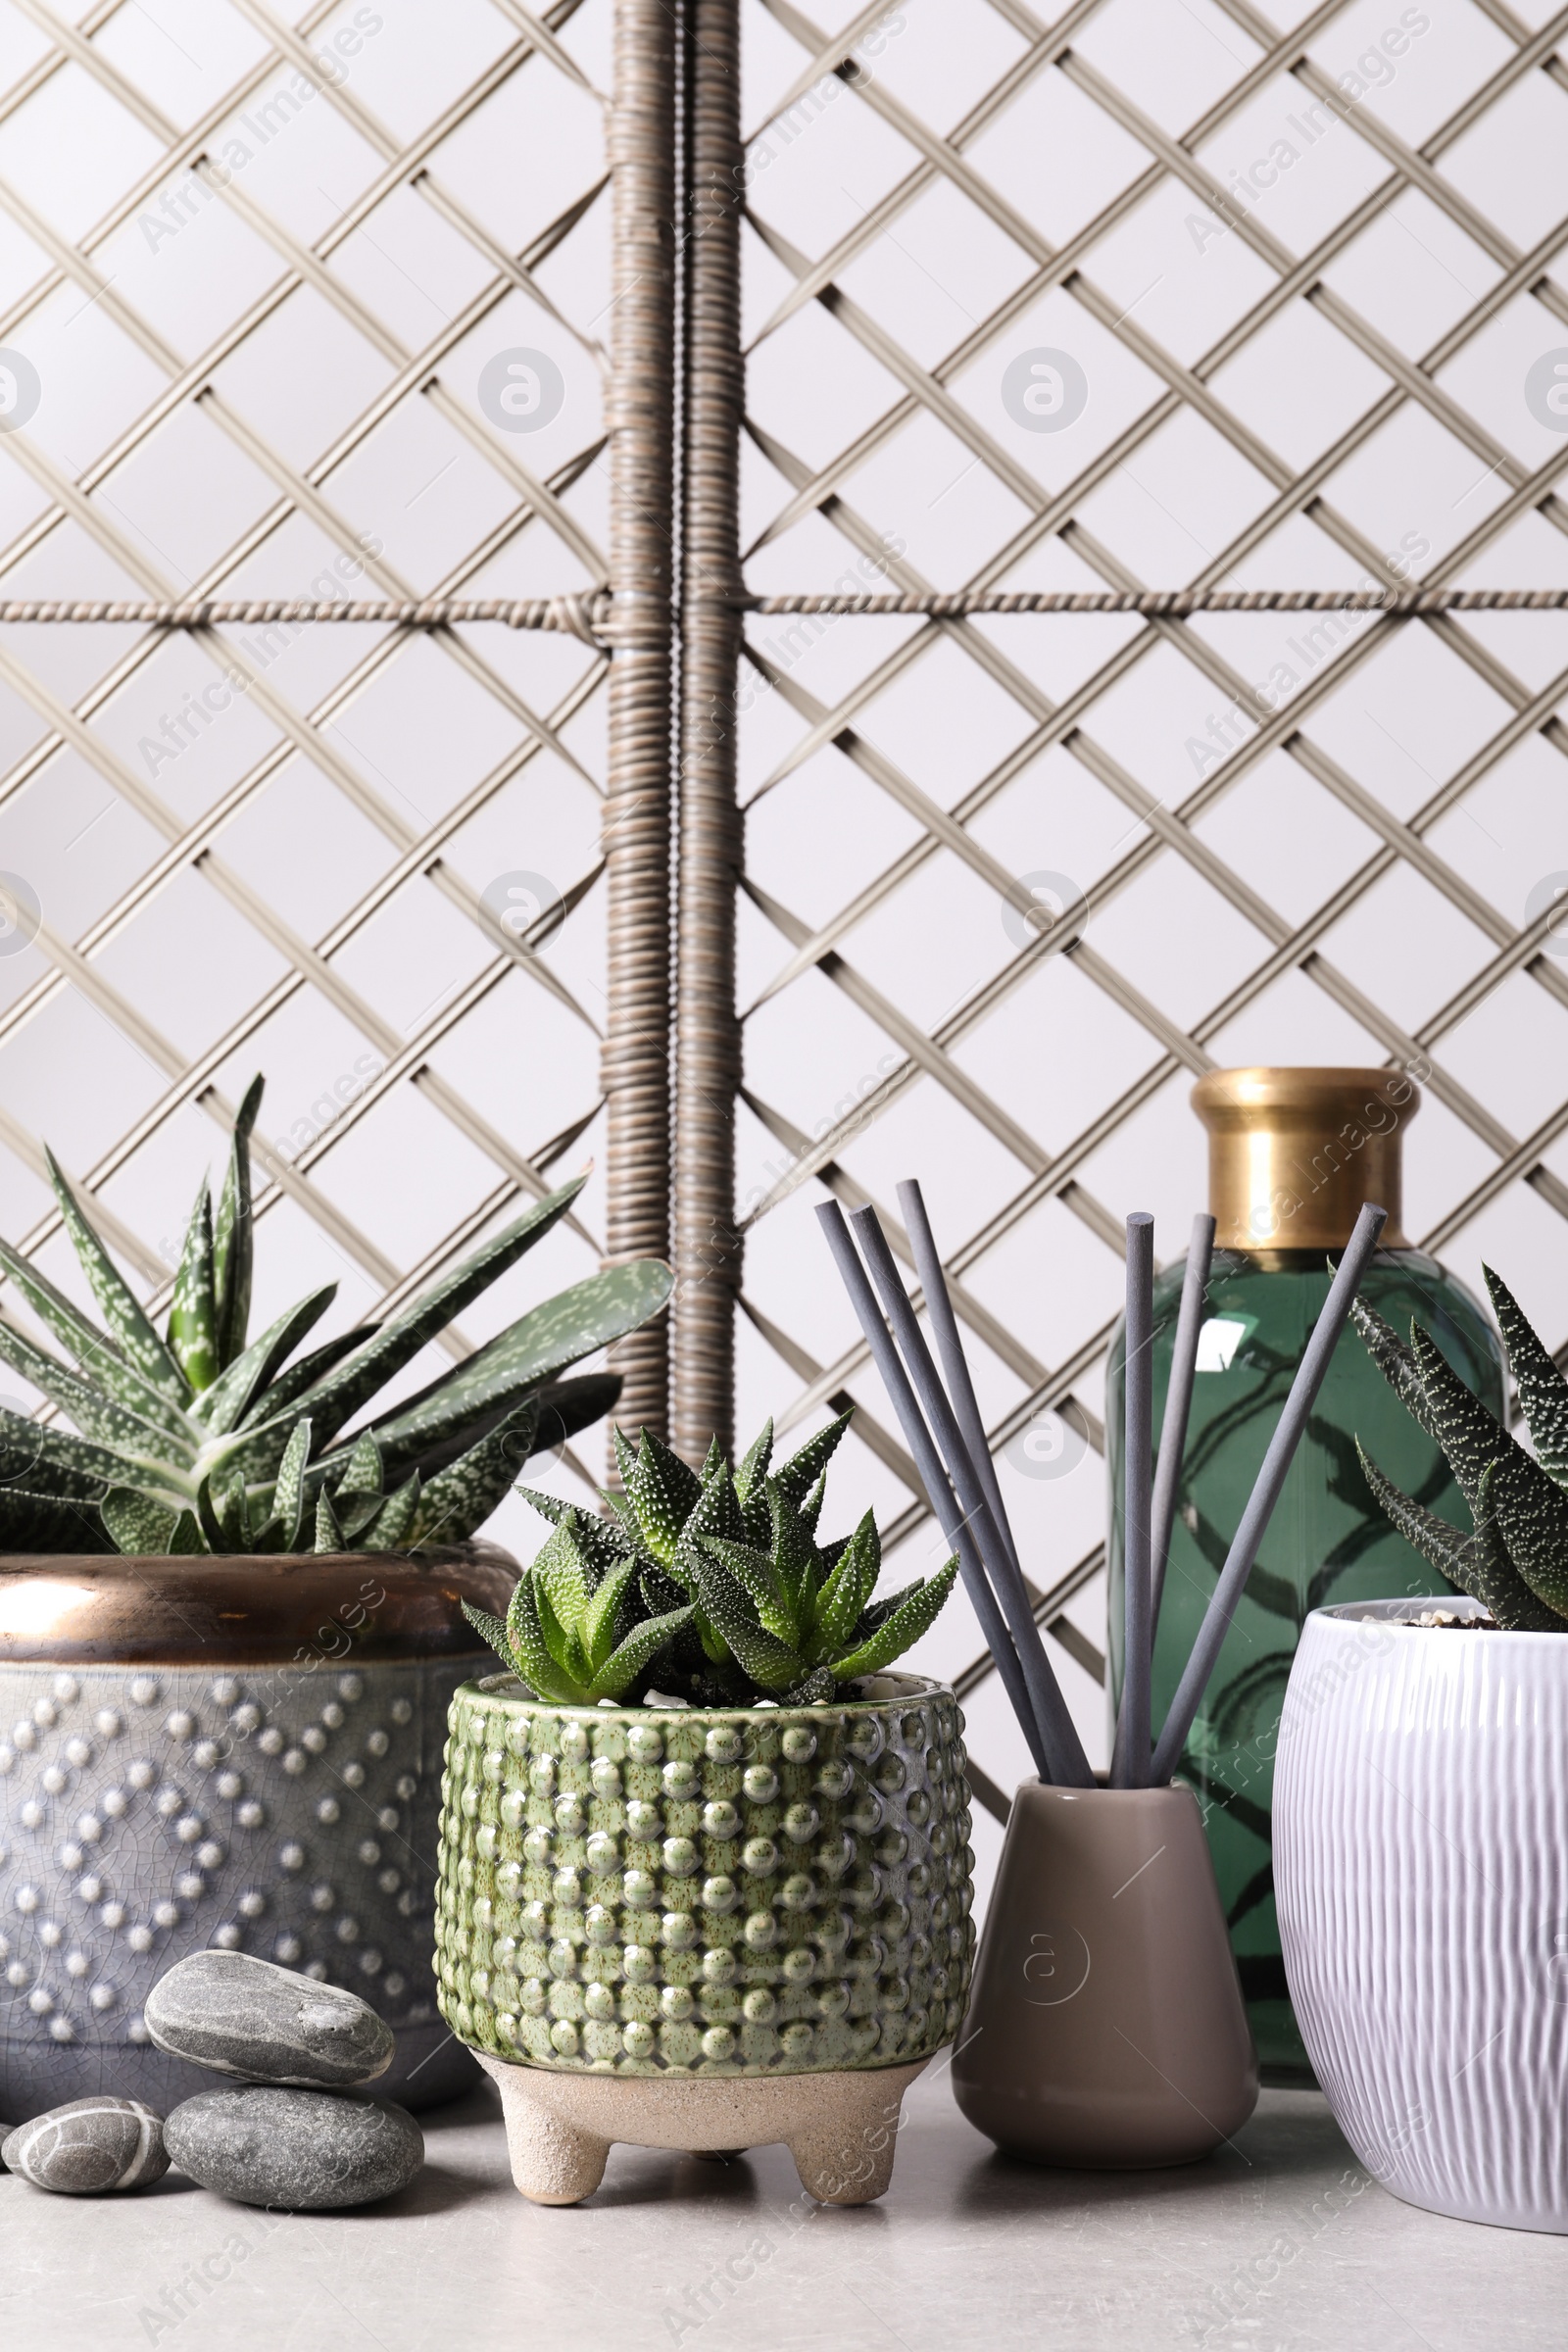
1293 1154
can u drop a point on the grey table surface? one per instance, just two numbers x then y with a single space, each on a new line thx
1281 2240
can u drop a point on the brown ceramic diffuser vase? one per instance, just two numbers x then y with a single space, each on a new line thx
1107 2029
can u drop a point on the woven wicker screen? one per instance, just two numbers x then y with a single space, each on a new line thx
612 321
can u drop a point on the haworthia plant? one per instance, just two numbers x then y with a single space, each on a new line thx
1515 1558
198 1440
711 1585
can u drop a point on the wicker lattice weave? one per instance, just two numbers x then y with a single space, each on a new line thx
664 580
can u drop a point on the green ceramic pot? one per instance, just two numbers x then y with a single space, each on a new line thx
751 1891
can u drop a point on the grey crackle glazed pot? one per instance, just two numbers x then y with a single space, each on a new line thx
656 1892
240 1753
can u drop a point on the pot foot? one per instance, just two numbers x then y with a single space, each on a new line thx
845 2154
840 2129
554 2161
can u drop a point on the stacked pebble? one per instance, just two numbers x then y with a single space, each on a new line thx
293 2132
297 2134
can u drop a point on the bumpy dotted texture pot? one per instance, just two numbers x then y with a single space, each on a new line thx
748 1891
1421 1862
151 1809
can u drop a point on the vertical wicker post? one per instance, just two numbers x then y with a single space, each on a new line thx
637 807
707 1251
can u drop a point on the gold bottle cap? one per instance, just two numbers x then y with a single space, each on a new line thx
1294 1152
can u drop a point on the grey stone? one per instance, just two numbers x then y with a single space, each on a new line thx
305 2150
87 2146
265 2023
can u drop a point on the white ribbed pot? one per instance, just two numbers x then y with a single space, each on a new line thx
1421 1873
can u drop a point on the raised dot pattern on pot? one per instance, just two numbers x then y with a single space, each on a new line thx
766 1892
114 1866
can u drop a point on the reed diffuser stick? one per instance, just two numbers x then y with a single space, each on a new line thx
938 1493
954 1360
1057 1725
1130 1764
1266 1492
1177 1407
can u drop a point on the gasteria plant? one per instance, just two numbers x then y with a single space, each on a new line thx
1515 1561
194 1441
713 1587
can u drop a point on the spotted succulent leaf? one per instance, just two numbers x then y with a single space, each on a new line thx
330 1536
526 1359
561 1573
772 1610
802 1471
660 1592
664 1491
357 1514
221 1515
1477 1564
1515 1561
98 1359
193 1314
717 1513
220 1408
815 1691
464 1494
846 1593
794 1554
494 1632
392 1527
811 1507
129 1322
288 1495
336 1398
291 1384
605 1545
752 1470
1542 1390
755 1573
362 1476
643 1645
530 1651
1394 1361
233 1241
877 1613
549 1506
146 1529
1532 1513
604 1611
96 1415
913 1618
41 1459
773 1665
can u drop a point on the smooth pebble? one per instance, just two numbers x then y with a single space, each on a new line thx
267 2023
305 2150
87 2146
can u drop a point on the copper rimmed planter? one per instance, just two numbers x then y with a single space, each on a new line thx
235 1753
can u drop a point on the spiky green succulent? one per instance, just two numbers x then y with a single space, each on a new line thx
194 1439
1515 1560
711 1585
577 1629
